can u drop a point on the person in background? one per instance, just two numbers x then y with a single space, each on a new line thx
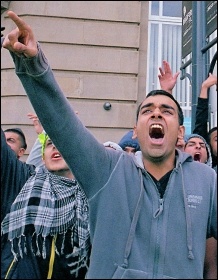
132 200
40 263
14 174
47 226
197 146
128 144
16 139
112 145
201 122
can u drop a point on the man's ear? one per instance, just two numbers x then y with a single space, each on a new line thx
134 135
21 152
181 132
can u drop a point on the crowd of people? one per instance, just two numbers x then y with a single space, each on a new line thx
145 207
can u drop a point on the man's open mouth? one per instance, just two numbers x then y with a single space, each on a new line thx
156 131
197 157
56 155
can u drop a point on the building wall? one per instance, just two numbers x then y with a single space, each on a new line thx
97 50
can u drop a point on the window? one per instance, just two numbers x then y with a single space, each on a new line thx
155 8
172 8
166 8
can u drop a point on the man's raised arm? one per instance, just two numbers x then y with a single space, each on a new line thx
76 144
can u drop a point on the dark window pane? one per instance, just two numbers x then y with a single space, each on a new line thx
172 8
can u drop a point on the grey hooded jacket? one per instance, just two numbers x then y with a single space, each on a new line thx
134 233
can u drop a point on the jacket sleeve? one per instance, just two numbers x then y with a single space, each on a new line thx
82 152
201 121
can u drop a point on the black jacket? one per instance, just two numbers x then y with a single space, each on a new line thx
201 123
201 118
14 174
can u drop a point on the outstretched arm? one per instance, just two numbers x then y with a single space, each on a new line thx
82 152
166 78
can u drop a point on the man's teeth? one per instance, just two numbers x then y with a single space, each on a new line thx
157 126
156 131
56 155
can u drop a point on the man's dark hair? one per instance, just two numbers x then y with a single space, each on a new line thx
211 131
20 133
163 92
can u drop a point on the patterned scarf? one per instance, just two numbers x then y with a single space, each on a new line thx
53 205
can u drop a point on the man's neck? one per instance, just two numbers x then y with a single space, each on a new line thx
64 173
159 168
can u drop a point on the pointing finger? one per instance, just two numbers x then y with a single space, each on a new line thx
18 21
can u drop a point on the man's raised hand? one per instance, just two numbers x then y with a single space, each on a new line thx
20 40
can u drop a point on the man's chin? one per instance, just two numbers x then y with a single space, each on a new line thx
59 171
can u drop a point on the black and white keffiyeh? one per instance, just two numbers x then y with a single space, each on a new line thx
53 205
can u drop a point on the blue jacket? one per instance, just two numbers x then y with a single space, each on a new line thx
134 233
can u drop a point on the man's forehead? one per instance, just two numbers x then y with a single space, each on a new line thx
48 140
214 133
11 134
159 100
196 139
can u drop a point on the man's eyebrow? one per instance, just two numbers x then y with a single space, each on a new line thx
10 138
146 105
194 142
191 142
162 106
